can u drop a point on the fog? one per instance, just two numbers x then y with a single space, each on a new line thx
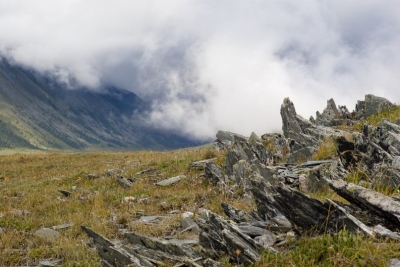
210 65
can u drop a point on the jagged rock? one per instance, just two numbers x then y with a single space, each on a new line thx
289 122
253 231
241 172
259 149
370 200
266 240
213 172
220 237
140 250
163 248
210 263
47 235
112 254
372 105
329 114
187 222
302 154
227 138
384 232
396 162
277 145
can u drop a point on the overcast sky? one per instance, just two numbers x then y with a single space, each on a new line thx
209 65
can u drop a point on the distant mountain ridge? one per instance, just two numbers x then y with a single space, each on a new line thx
40 113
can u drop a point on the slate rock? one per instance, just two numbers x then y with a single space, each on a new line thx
300 155
288 114
170 181
213 172
49 263
123 182
201 164
266 240
65 192
372 105
396 162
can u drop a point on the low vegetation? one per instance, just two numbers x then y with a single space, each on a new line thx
30 200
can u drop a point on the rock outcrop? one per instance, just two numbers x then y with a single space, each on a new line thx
277 173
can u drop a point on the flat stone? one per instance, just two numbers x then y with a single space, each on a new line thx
49 263
47 234
201 164
252 230
394 263
184 241
147 219
62 226
145 171
169 181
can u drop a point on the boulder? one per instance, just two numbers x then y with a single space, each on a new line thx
372 105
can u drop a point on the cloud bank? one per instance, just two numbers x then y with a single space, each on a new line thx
209 65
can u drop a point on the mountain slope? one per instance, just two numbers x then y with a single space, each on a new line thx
37 112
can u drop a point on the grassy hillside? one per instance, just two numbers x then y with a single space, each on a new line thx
30 200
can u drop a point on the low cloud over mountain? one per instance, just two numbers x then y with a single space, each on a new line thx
207 65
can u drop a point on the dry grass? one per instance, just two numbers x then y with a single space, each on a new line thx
30 183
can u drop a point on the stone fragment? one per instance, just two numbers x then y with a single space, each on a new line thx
123 182
252 231
65 192
377 203
49 263
48 235
396 162
372 105
300 155
213 172
219 237
170 181
288 114
112 254
201 165
266 240
381 231
112 172
211 263
145 171
394 263
62 226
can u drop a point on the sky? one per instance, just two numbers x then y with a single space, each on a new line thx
213 65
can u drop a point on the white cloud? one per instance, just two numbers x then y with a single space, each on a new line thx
209 65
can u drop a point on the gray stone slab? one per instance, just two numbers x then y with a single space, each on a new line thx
169 181
62 226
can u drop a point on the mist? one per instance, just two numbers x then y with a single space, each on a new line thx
205 65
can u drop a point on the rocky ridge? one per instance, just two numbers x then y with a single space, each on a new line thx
277 173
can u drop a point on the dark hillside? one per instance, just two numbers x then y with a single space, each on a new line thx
36 111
